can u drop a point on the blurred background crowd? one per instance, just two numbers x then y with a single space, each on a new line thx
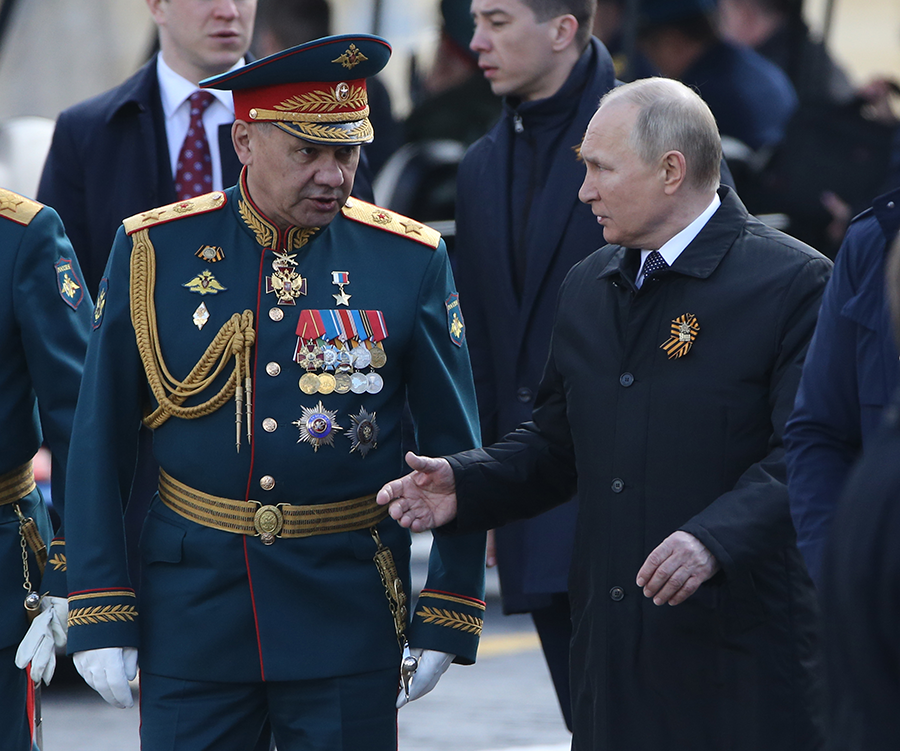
804 92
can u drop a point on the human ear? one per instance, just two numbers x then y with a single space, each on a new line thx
674 171
240 137
563 30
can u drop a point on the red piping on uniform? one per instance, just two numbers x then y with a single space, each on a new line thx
262 669
29 704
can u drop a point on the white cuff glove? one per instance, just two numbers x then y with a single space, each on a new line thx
432 665
46 633
108 671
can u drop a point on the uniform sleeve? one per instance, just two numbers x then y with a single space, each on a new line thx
450 610
753 519
102 605
823 435
466 249
53 314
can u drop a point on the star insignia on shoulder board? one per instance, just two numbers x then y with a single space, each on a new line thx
10 203
409 226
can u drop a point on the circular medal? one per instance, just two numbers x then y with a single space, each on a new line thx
326 383
309 384
379 358
359 383
342 383
375 383
360 357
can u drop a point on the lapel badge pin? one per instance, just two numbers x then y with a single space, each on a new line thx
210 254
201 316
204 284
683 333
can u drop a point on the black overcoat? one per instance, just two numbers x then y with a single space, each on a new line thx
657 444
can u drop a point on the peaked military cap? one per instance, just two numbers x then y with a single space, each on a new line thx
315 91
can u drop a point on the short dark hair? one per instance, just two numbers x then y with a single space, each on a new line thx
294 22
583 10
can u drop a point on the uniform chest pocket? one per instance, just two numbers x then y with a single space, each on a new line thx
161 540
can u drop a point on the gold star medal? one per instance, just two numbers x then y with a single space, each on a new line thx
317 426
204 284
684 330
340 278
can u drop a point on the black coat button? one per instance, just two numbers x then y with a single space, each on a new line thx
524 394
618 485
626 379
616 594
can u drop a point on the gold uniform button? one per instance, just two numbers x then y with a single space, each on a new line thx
269 425
267 482
273 369
276 314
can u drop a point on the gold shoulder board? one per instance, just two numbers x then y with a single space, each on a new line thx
199 205
18 208
375 216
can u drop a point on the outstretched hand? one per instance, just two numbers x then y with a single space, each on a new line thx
423 499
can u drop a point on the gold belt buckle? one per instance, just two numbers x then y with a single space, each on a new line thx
268 522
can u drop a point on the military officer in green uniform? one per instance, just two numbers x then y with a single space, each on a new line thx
45 315
270 335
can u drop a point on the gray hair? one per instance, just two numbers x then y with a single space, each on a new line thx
673 117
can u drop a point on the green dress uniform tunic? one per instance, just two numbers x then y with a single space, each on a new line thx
218 605
45 315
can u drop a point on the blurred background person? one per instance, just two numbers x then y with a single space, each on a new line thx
281 24
861 581
751 98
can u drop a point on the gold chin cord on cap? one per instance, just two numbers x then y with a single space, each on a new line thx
234 340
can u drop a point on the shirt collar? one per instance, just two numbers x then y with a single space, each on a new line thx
674 247
174 88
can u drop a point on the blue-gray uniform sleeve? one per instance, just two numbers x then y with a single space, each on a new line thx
53 313
845 369
450 610
102 605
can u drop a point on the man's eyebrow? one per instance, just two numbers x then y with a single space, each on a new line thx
490 12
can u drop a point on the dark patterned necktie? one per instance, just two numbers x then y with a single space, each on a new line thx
652 264
193 172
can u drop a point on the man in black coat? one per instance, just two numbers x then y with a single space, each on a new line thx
675 356
520 228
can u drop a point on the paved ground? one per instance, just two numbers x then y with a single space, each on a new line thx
505 702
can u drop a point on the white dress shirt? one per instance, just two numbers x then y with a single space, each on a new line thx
676 245
175 91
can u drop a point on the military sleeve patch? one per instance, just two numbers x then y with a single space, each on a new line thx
455 322
71 288
100 305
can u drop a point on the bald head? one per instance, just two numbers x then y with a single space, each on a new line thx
672 117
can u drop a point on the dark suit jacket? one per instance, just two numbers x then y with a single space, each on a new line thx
661 443
109 159
509 337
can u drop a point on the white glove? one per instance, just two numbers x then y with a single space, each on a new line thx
108 671
45 635
432 665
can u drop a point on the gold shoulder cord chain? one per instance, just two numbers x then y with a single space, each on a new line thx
235 339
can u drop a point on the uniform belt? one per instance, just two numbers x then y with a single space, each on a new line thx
16 484
269 521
